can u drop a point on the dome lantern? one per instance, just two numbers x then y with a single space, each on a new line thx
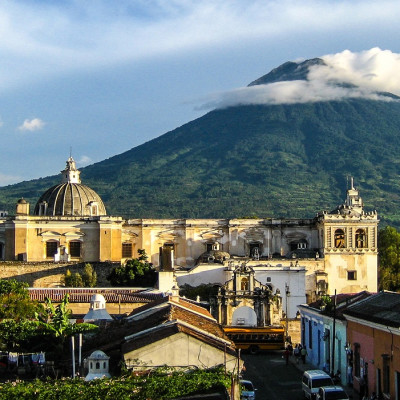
71 174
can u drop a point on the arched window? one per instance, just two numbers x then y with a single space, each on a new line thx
75 248
244 284
97 365
361 239
43 208
51 248
255 249
339 239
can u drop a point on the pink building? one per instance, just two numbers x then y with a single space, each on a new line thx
373 345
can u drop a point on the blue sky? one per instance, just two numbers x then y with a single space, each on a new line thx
105 76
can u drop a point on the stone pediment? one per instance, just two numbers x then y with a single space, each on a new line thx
211 235
130 232
295 235
48 234
254 235
73 235
169 235
57 235
244 269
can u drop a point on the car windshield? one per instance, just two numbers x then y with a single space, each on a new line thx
336 395
248 386
322 382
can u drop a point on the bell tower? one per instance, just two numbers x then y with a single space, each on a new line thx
349 243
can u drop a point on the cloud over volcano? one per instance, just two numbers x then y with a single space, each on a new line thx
368 74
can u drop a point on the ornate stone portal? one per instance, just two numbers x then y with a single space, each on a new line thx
244 301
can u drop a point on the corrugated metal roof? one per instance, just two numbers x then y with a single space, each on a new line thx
382 308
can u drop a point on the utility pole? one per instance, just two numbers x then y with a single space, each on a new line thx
333 335
287 293
73 355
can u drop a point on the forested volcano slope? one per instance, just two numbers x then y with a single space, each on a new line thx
243 161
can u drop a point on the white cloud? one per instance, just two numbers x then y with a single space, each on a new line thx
364 74
9 179
34 124
84 160
53 38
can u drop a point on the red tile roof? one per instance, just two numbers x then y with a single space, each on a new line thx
163 318
84 295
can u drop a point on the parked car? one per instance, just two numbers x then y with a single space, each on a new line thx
313 380
248 390
332 393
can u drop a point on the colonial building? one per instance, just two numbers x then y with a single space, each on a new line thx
373 341
300 257
69 223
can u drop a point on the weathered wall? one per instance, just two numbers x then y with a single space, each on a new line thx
294 329
50 274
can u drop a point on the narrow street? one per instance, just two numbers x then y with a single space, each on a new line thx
271 376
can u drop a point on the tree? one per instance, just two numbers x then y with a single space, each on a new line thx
72 279
135 272
17 312
17 335
54 324
88 278
389 259
204 291
15 302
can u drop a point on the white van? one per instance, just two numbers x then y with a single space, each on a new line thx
313 380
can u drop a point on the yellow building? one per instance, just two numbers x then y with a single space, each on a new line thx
69 223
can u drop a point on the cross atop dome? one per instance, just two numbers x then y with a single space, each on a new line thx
71 174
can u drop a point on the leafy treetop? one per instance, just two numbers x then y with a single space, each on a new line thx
389 259
135 272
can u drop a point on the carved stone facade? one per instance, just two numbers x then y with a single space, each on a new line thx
243 300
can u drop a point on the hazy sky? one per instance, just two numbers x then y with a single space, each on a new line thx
105 76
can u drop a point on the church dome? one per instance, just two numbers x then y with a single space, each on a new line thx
70 197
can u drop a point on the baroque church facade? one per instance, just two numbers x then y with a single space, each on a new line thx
303 258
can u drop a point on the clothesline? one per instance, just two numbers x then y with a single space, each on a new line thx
16 358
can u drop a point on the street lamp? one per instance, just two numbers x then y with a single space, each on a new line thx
287 294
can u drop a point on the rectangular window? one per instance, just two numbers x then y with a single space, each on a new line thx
126 250
351 275
310 334
75 249
51 249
